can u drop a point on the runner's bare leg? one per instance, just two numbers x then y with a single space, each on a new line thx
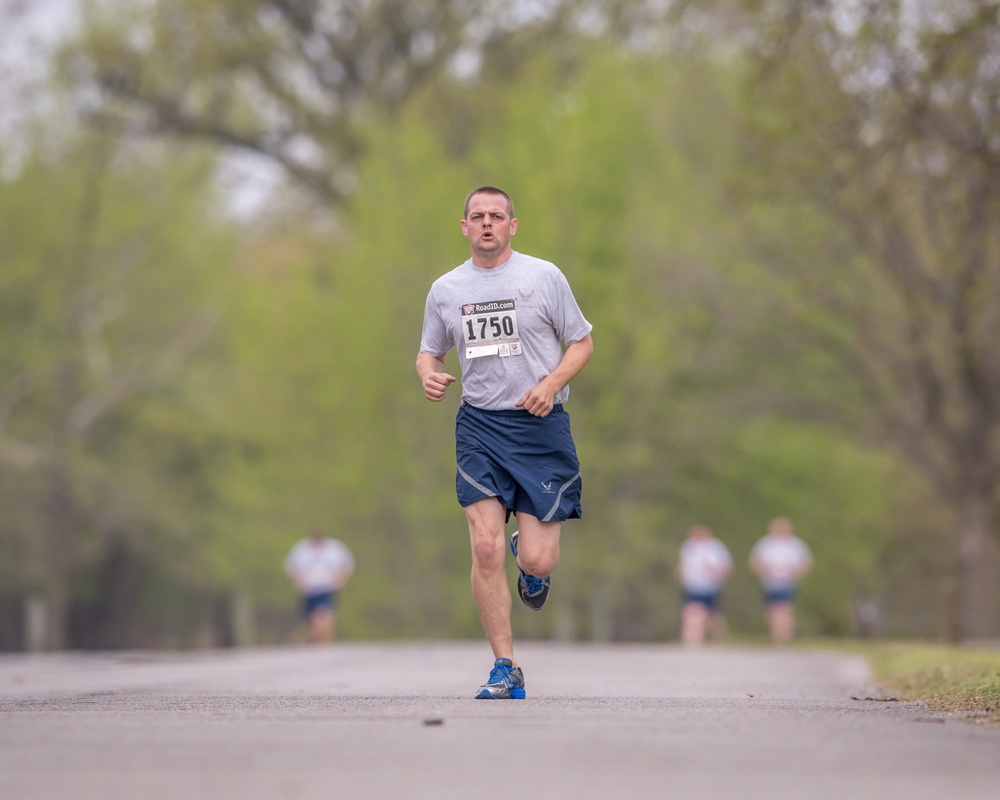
537 545
489 578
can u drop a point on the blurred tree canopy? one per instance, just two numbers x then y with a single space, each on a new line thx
297 80
779 225
882 220
114 273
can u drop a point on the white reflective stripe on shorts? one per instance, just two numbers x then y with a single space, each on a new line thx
555 507
475 484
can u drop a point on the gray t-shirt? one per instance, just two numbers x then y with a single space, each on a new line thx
508 325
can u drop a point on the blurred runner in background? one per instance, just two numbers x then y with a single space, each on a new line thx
704 565
781 560
319 568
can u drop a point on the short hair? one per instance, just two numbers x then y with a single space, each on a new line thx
488 190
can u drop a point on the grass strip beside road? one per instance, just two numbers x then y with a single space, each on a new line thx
955 680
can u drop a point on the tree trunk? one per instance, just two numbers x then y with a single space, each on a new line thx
61 528
242 622
979 569
36 623
57 633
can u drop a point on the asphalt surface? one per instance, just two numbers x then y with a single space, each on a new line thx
397 721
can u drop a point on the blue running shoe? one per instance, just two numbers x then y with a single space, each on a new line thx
534 591
506 682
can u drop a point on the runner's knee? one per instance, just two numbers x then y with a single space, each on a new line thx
488 549
540 561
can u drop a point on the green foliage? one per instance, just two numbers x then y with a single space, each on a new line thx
112 282
874 204
613 189
301 408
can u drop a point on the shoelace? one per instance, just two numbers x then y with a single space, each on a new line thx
535 585
499 671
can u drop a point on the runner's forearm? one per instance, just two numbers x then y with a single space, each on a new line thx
573 361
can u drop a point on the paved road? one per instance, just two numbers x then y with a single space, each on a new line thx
397 721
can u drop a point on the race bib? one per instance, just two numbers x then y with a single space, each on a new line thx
490 329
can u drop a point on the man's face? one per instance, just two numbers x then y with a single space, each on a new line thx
488 225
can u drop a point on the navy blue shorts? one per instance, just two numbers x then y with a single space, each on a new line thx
708 599
782 594
528 463
317 601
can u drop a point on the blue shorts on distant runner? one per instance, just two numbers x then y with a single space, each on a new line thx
318 601
778 594
528 463
711 600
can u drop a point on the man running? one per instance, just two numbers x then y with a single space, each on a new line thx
520 338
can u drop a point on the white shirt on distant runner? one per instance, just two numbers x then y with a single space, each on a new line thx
319 565
780 561
704 565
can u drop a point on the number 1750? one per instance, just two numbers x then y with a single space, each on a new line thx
498 326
